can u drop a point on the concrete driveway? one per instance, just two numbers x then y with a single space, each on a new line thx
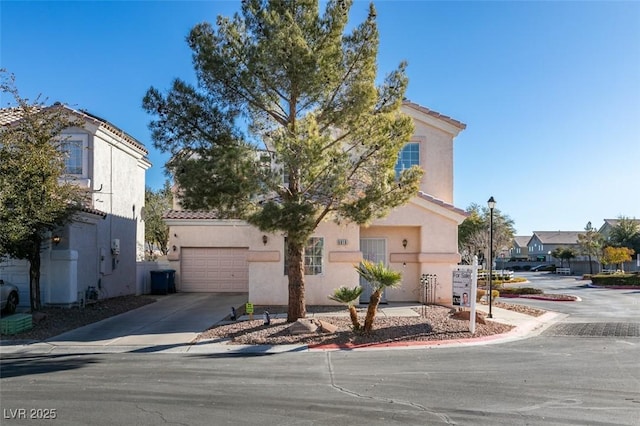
173 321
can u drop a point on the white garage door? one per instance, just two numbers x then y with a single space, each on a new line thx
214 270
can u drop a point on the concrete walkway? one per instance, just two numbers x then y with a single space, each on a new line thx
171 325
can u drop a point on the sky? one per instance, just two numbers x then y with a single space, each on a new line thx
549 91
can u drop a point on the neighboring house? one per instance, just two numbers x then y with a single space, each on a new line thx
99 248
605 229
543 243
519 248
222 255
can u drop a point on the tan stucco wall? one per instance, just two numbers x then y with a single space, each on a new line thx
436 156
431 249
430 230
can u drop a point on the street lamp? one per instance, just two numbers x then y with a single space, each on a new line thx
491 203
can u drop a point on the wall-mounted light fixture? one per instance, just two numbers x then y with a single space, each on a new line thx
56 239
174 248
404 243
265 240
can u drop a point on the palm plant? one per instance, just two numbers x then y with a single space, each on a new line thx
379 277
348 296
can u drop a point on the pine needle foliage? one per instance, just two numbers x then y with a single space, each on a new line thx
321 138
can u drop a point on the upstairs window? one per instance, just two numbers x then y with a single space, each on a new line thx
76 156
313 253
409 156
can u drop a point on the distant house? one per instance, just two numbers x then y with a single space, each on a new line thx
543 243
519 248
95 255
609 224
222 255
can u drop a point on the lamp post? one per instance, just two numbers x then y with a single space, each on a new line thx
491 203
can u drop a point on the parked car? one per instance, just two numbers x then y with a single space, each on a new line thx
546 268
9 297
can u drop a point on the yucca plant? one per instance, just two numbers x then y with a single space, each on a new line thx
348 296
379 277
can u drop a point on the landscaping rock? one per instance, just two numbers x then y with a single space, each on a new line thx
326 327
303 326
466 315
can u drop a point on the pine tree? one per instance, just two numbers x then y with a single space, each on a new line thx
322 138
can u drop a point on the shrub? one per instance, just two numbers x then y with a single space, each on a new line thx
521 290
616 280
526 267
516 267
495 294
480 294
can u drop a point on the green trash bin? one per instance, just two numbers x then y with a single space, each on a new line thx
160 281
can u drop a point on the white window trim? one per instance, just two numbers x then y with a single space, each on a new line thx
84 139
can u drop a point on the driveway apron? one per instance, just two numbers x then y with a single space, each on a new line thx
173 320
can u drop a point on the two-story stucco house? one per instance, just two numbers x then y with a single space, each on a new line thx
421 237
95 255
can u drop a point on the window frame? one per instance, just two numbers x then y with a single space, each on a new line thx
313 262
408 150
81 142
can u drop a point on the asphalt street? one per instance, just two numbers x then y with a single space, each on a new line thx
543 380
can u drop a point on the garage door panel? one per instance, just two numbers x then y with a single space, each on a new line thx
211 269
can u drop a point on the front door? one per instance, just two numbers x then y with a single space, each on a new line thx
374 250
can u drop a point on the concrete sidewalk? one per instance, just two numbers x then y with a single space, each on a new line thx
172 323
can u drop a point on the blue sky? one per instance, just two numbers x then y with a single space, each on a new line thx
550 91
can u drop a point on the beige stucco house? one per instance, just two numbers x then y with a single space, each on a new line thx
421 237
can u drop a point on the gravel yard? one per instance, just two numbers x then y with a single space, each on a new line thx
434 323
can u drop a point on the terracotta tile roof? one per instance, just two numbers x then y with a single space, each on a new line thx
93 211
201 214
189 214
460 125
10 115
439 202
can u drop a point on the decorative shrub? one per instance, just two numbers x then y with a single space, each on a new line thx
495 294
480 294
521 290
616 280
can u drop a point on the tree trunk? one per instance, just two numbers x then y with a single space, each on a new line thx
297 307
34 277
354 317
374 301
